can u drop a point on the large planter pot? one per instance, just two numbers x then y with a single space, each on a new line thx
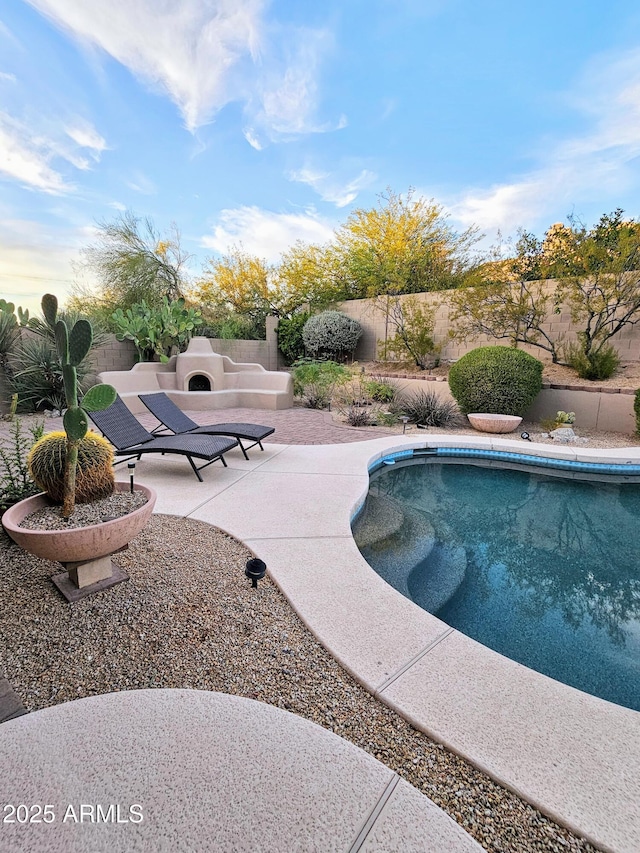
494 423
78 544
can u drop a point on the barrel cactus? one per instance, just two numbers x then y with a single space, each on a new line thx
72 347
94 471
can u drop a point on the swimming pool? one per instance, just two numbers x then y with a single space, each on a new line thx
539 563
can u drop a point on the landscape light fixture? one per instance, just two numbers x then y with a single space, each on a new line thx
255 570
525 436
405 421
132 469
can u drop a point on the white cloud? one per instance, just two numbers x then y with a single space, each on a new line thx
204 54
117 205
252 139
589 168
25 158
329 186
10 78
264 233
85 135
142 184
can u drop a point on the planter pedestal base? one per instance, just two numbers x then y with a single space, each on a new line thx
84 579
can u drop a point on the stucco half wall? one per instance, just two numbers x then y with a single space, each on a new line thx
231 383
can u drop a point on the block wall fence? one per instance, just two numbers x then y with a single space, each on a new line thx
559 326
115 355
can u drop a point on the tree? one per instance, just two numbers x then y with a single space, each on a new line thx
404 245
131 262
412 324
308 279
603 285
596 273
239 283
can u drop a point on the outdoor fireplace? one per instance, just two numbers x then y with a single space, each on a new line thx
198 382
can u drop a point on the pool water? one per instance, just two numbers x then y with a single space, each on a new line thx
542 568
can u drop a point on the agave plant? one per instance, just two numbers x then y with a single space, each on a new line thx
72 347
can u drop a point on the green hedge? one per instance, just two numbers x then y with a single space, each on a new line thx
499 380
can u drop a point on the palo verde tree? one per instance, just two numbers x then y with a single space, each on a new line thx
404 245
238 284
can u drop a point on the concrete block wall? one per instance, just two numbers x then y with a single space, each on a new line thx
627 342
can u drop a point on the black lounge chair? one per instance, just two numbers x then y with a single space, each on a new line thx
131 439
173 418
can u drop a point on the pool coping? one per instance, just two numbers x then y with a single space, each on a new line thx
572 755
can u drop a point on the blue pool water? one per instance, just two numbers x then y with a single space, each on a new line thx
543 568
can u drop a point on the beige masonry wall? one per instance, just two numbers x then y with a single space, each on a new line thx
560 327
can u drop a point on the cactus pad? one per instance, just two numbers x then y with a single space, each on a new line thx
99 397
75 423
62 341
50 308
80 341
70 377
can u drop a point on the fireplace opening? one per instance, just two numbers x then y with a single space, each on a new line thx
199 383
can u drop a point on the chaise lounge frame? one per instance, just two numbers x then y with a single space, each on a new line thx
131 439
172 417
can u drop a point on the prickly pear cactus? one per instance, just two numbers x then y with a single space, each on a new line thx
72 347
94 473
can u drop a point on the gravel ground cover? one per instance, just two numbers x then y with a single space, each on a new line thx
188 618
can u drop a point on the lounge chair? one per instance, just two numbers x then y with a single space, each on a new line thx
131 439
173 418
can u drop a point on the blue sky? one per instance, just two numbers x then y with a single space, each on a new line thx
260 123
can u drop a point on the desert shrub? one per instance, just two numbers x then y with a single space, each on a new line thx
331 333
359 416
16 482
598 364
430 409
414 328
386 419
315 381
381 390
498 380
37 376
290 340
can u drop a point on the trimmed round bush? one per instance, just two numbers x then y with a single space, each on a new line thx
94 474
331 333
496 380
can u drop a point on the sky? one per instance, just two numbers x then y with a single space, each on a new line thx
257 124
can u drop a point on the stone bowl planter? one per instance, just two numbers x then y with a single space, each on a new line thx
78 544
494 423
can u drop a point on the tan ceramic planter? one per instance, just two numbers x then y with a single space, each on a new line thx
79 543
494 423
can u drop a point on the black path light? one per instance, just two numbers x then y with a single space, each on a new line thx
525 436
255 570
132 470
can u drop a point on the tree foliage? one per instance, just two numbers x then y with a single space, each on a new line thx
130 262
238 283
594 272
404 245
412 324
